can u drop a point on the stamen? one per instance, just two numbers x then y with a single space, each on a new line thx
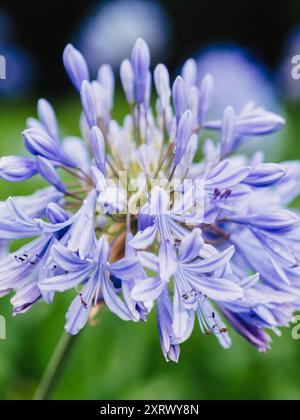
83 301
217 194
24 258
177 242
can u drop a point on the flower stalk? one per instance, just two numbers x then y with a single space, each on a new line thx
56 367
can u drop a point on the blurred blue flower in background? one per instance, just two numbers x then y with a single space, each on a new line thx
19 72
240 79
111 29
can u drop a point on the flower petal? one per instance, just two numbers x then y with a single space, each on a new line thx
79 311
66 259
167 261
190 246
112 300
127 269
82 234
149 260
65 281
256 336
148 289
265 175
17 168
226 175
180 314
221 290
211 264
25 297
144 239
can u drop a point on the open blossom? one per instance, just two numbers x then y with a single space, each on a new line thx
146 224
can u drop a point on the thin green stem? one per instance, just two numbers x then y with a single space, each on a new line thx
163 159
55 367
85 175
140 139
74 196
111 165
73 173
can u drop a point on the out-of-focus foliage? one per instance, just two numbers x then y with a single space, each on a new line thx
117 360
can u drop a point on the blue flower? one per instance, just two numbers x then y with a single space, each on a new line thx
169 344
75 66
140 61
236 128
17 168
94 274
142 223
21 271
195 280
39 143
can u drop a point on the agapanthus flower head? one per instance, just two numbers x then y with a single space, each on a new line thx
155 216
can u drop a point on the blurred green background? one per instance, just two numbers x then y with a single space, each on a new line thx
117 360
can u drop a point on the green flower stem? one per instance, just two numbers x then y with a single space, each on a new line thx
55 367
